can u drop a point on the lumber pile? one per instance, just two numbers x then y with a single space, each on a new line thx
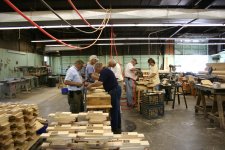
85 118
6 142
18 120
144 84
218 70
88 130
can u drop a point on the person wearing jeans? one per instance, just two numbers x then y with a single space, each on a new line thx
130 78
110 84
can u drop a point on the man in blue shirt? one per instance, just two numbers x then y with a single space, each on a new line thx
93 59
110 84
74 82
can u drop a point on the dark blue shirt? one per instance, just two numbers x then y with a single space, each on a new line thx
108 78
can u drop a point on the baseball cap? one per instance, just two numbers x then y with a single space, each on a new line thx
93 57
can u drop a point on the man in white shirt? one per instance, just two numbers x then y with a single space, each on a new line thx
74 82
115 67
154 73
130 78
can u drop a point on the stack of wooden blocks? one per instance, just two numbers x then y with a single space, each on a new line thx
6 142
30 113
89 130
21 120
17 127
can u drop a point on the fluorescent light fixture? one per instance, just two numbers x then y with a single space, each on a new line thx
124 39
115 25
16 52
105 44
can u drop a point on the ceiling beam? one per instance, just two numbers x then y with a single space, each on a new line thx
138 14
203 4
181 28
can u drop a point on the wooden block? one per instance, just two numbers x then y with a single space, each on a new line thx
98 100
99 107
45 135
4 118
45 145
72 135
96 91
4 126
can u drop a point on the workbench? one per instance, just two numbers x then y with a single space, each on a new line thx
9 87
12 86
217 112
32 81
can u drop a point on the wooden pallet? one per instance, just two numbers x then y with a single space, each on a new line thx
84 134
21 120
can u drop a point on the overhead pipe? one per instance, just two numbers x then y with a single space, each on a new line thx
77 11
45 32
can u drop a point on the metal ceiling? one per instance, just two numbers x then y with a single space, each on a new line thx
190 12
35 5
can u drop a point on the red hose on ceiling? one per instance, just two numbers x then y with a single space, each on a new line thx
75 9
36 25
111 44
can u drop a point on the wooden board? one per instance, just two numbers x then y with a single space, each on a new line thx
98 99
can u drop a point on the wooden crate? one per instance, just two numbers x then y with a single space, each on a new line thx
98 99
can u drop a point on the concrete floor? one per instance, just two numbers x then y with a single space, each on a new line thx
179 129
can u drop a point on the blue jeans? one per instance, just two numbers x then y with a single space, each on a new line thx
157 87
115 110
129 90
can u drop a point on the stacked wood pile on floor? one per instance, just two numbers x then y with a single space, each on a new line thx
6 142
17 122
89 130
218 70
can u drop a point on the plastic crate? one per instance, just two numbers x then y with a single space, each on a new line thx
152 99
64 91
152 112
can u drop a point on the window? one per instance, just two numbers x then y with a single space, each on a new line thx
191 63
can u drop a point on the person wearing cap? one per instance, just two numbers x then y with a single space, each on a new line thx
74 82
110 84
130 79
93 59
115 67
154 73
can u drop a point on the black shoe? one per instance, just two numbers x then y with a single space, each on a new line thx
118 131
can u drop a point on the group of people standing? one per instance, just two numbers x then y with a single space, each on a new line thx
81 77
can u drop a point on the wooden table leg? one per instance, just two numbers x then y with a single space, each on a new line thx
220 111
138 100
203 103
214 107
198 102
